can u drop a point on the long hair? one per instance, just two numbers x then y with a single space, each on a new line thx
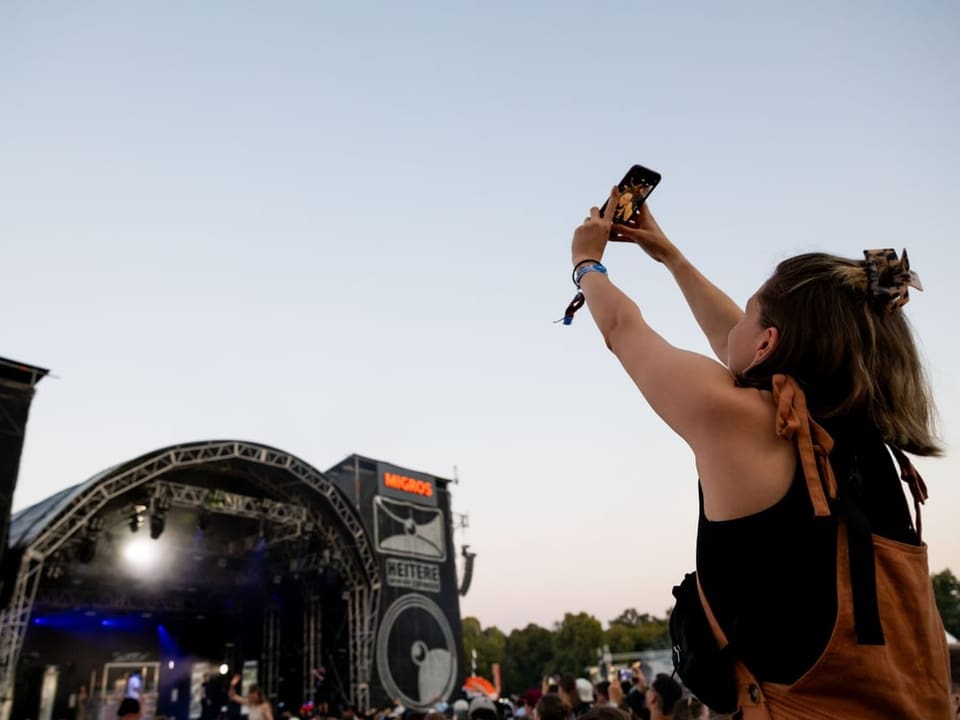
854 358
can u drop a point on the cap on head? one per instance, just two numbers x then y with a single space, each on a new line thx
584 690
482 708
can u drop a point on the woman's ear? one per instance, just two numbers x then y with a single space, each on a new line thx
768 341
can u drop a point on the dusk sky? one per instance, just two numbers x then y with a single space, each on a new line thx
345 227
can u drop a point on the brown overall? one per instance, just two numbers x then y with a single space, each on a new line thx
907 677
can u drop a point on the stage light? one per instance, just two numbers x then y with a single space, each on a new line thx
224 669
157 523
136 519
171 665
203 520
141 553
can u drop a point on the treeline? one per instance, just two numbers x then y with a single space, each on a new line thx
526 656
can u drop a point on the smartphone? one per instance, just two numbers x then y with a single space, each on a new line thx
635 187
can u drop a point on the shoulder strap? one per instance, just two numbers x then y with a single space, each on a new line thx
718 634
918 488
813 442
749 692
814 445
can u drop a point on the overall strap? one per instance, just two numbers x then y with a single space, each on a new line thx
918 488
814 445
813 442
750 696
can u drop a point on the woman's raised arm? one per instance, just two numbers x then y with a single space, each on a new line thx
714 311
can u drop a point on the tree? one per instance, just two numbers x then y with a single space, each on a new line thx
529 652
577 639
490 644
946 592
632 630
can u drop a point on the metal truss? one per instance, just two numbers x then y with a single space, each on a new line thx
353 555
270 652
14 622
71 598
226 503
313 641
362 605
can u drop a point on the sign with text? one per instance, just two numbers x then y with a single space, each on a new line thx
407 485
424 577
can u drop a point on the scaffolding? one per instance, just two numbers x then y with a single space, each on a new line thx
351 554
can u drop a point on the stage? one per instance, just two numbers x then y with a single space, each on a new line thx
217 557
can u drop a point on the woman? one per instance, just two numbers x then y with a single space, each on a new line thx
807 556
257 706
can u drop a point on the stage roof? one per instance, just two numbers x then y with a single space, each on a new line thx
13 371
27 524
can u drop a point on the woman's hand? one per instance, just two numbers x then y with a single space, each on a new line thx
648 235
590 239
234 680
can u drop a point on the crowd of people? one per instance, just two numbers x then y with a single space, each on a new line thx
566 697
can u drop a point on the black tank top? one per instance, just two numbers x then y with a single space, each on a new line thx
771 577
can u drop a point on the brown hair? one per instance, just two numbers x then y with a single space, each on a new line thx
551 707
855 360
256 689
605 712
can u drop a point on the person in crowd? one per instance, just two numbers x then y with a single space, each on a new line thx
635 693
134 688
82 710
576 695
120 687
551 707
636 704
321 691
601 695
821 376
129 709
460 709
690 708
482 708
528 702
662 697
257 706
209 697
638 681
606 712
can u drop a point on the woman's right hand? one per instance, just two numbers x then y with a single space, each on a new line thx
648 235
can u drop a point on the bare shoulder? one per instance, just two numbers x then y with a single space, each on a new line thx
745 467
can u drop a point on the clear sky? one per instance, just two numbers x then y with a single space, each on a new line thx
344 227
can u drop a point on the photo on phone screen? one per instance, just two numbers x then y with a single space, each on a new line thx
635 187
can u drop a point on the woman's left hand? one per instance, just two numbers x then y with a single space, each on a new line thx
590 239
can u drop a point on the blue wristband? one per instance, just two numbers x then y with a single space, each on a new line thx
584 269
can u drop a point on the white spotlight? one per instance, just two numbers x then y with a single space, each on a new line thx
141 553
224 669
171 664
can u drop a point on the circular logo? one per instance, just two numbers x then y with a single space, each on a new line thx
416 652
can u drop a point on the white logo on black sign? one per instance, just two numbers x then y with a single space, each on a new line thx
416 652
414 575
411 530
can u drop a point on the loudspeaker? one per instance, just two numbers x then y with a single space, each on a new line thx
16 392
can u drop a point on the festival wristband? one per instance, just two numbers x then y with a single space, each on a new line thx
584 269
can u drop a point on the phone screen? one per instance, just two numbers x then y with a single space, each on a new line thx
635 187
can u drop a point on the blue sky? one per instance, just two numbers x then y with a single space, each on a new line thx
341 228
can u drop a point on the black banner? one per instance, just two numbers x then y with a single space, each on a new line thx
419 646
14 408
